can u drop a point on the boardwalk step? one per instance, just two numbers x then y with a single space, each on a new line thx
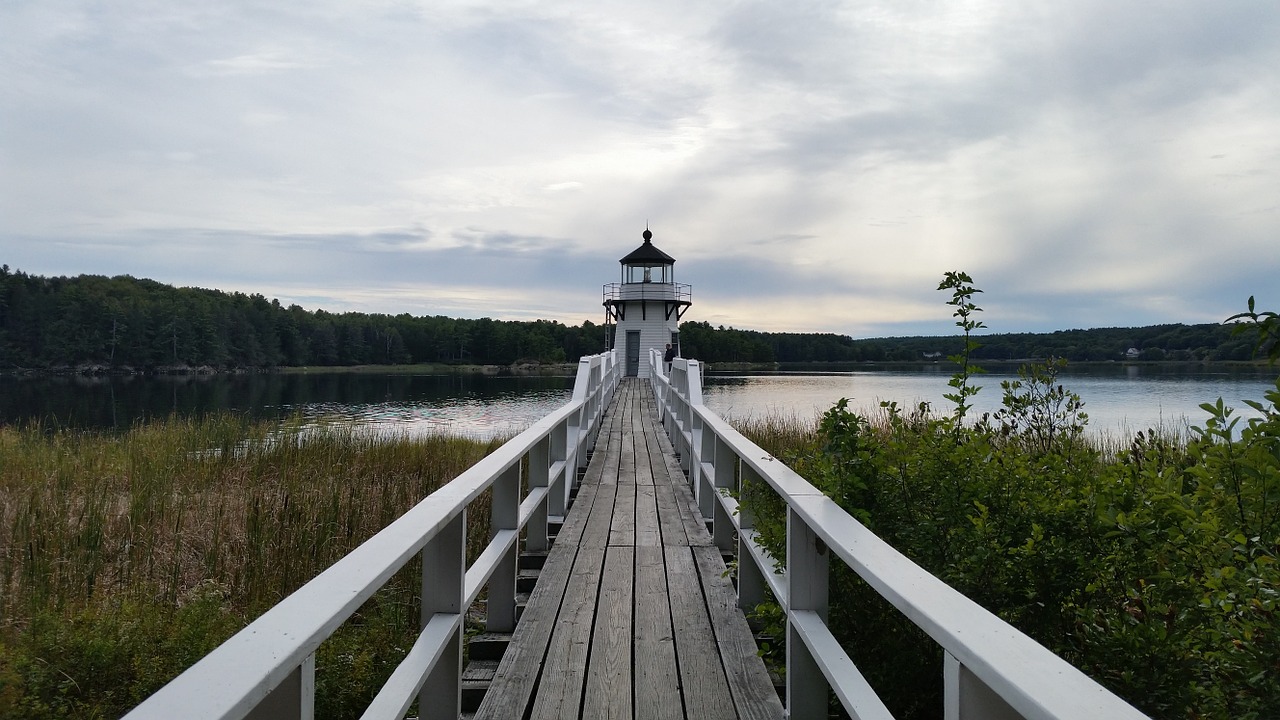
526 579
533 559
475 682
488 646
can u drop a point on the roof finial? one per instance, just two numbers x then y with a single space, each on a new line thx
647 235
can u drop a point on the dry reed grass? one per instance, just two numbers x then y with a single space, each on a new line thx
176 505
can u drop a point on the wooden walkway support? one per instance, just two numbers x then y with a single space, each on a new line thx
633 614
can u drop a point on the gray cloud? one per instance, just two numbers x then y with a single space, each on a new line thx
816 165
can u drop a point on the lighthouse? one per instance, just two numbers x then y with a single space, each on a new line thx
646 306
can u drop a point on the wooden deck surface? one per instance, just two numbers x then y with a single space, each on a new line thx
633 615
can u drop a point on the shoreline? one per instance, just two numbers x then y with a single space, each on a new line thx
568 369
516 369
840 367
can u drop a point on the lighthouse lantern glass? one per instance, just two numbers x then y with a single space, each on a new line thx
656 273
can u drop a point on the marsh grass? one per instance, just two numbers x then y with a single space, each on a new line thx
113 538
781 435
790 436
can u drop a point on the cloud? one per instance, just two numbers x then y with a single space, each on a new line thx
812 165
259 63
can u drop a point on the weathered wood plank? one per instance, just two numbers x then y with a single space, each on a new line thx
647 531
706 691
670 520
627 456
657 680
559 695
749 683
513 685
694 527
642 427
607 456
623 529
596 532
608 694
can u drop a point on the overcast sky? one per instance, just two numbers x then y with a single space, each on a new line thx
812 166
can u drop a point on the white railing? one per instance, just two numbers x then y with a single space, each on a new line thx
991 670
677 292
267 670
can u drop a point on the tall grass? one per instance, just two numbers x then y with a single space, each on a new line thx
108 533
789 435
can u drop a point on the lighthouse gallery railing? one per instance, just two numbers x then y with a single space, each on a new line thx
991 670
267 670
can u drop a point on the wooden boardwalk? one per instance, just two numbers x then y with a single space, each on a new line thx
633 614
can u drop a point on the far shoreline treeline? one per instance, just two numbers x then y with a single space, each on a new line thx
96 324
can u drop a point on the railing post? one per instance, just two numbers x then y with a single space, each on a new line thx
558 452
500 609
536 527
444 561
726 480
807 578
294 697
968 698
686 423
751 584
573 446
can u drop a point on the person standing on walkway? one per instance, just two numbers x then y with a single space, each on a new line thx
669 356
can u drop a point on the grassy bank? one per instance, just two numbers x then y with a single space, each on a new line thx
125 558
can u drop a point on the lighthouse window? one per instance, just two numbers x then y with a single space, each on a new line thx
646 274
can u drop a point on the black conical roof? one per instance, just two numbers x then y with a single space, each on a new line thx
647 254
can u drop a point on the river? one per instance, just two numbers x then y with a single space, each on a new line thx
1119 399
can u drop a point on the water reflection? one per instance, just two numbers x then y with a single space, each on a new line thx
475 405
1118 399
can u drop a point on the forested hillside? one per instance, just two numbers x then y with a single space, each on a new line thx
1158 342
124 322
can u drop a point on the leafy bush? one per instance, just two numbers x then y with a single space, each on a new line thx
1153 569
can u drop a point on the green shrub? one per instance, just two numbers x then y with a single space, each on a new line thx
1152 568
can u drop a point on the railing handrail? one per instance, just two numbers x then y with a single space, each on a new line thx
991 667
248 675
680 292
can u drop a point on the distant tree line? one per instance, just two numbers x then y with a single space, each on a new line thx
124 322
1158 342
1211 341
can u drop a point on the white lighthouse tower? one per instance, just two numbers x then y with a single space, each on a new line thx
646 306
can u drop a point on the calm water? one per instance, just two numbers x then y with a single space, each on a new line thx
480 406
1117 399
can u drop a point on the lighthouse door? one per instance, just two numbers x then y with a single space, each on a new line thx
633 353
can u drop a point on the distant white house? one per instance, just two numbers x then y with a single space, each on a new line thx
931 355
1132 354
